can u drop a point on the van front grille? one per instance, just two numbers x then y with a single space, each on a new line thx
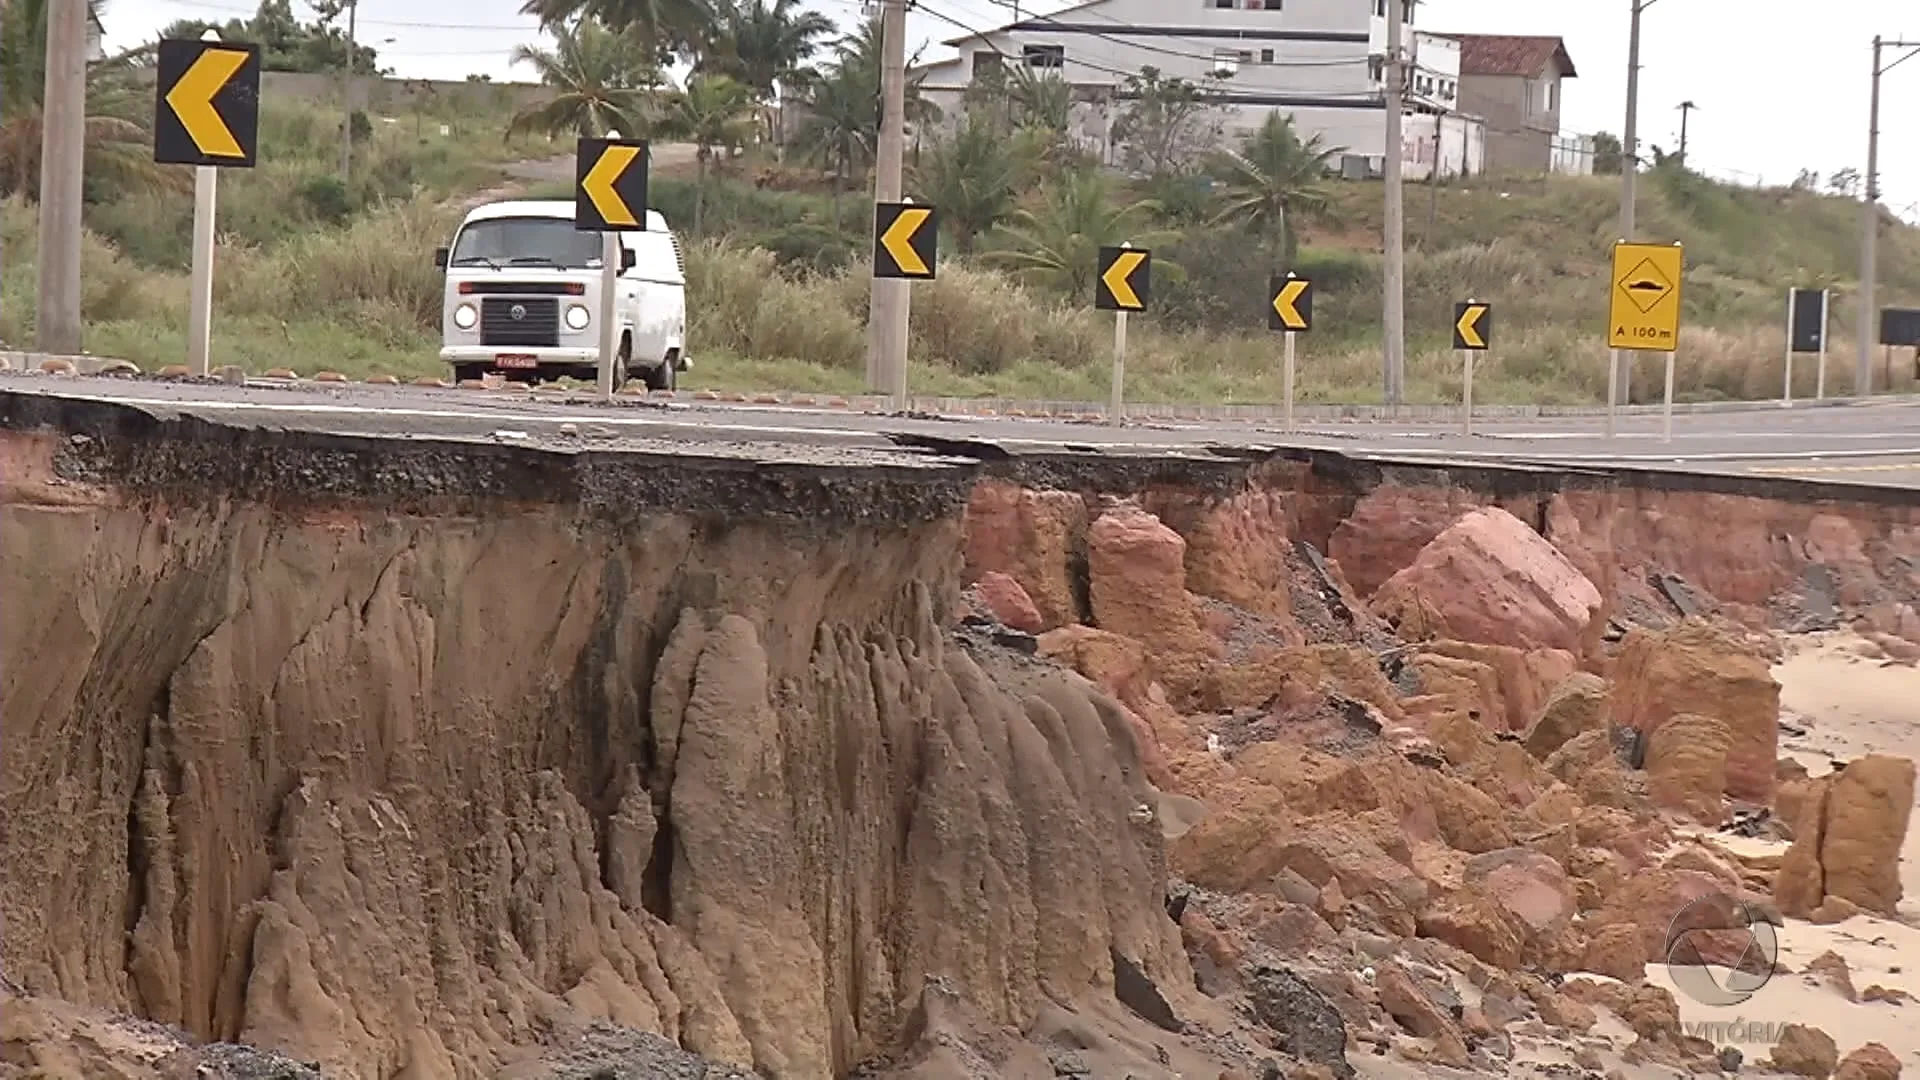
526 321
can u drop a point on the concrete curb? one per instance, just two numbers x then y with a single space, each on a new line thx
1015 408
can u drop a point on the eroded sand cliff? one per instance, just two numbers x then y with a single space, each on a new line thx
416 761
398 793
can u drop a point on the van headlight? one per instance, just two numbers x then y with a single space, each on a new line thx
465 316
577 317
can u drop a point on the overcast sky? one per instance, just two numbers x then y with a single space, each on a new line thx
1778 91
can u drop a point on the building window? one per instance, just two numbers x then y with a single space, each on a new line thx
1376 68
988 63
1266 56
1243 5
1406 10
1044 56
1226 63
1550 86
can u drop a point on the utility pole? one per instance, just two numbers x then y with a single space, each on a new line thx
1870 226
1620 373
1685 107
62 159
1393 339
346 98
887 313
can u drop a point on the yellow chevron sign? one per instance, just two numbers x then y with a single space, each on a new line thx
1472 326
906 238
207 111
1292 306
610 188
1125 279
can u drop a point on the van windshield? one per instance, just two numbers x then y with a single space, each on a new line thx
526 241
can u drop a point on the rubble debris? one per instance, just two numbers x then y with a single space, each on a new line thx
1310 1027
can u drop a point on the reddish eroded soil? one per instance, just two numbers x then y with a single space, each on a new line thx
454 795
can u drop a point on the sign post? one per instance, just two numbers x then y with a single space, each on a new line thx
206 114
1122 285
906 241
1472 333
1644 312
1820 373
610 197
1806 333
1290 311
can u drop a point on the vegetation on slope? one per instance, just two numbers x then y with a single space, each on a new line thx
315 274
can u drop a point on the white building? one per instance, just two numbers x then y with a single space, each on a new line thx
1321 61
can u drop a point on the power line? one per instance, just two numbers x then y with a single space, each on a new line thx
1340 97
226 9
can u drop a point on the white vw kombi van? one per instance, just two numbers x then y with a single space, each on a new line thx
523 297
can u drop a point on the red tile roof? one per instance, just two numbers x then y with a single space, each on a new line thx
1512 54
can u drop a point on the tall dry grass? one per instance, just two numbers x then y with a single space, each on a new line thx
363 295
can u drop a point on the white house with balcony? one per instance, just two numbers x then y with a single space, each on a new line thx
1321 61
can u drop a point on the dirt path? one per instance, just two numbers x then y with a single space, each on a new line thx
529 173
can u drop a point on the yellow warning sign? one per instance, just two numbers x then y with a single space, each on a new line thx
610 185
208 112
1125 277
905 237
1644 312
1292 303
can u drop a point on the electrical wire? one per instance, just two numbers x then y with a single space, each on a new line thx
1337 97
365 20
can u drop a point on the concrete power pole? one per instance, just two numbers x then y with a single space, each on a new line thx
346 98
62 158
1870 226
1393 337
1629 170
887 318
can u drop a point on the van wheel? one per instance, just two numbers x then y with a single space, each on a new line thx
661 377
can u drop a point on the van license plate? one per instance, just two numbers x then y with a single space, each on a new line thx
515 360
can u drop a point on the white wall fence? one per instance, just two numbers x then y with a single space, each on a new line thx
1571 155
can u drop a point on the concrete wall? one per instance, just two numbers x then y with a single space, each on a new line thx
1462 148
1522 115
1572 155
376 93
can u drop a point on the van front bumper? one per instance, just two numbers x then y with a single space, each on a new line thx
510 358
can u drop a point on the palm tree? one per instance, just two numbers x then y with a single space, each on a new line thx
714 112
1271 179
119 151
671 27
971 175
766 45
1058 243
843 125
603 80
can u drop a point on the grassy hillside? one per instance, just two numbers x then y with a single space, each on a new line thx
312 274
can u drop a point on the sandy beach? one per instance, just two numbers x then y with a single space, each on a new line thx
1849 701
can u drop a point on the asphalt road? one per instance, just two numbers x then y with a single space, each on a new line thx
1869 443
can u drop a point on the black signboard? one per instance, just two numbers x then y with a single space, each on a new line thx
1900 326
